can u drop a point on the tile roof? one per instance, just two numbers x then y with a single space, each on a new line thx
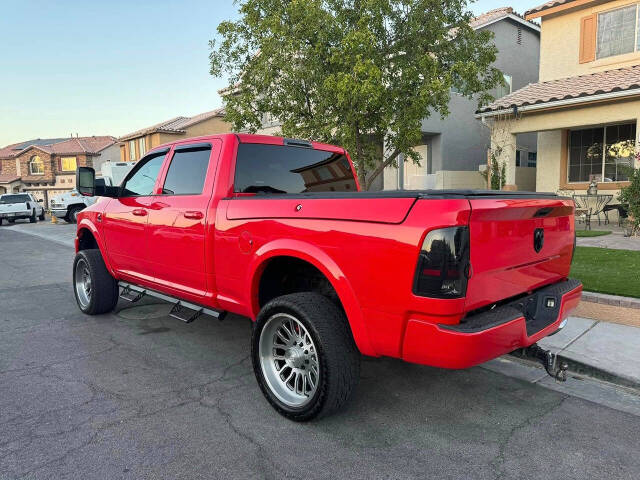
498 14
74 145
8 178
174 125
547 6
609 81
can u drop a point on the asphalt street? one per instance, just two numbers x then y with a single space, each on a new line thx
136 394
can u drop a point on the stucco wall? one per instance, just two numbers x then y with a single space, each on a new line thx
549 153
460 141
460 179
109 154
464 140
526 179
211 126
560 45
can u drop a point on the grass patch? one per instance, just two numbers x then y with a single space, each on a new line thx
605 270
592 233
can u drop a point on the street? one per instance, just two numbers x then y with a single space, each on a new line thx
136 394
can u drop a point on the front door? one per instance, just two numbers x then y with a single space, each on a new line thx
178 219
124 222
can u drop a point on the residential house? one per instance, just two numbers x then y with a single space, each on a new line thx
454 148
47 167
586 106
134 145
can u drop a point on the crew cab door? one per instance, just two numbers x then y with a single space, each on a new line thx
124 220
178 219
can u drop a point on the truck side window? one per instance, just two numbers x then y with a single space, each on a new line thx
187 171
144 176
264 168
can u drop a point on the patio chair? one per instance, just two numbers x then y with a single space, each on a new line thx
581 214
623 213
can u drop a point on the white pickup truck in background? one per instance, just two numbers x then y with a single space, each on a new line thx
14 206
67 205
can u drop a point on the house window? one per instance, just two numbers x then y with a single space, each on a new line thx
532 160
132 150
68 164
142 147
618 32
601 153
36 166
506 87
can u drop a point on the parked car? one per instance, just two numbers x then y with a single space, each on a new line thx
277 230
14 206
67 205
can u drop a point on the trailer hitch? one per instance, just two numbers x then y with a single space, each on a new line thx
555 369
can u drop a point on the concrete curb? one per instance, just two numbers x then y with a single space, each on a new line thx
614 300
583 369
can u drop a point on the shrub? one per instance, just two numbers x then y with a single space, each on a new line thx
630 196
497 173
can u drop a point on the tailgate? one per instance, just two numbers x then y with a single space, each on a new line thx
517 245
13 207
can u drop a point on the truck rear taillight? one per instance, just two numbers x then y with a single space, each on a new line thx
443 266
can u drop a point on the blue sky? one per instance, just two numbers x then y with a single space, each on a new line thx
111 67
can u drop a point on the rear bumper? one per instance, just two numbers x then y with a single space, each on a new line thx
489 334
24 214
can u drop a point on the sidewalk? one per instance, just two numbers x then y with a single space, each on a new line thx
605 346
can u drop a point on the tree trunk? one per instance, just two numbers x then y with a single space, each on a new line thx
379 169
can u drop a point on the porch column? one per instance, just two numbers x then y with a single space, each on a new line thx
503 148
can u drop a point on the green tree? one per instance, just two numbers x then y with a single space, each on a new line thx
352 72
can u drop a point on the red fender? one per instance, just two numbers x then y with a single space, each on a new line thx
324 263
87 224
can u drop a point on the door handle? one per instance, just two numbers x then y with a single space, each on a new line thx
139 212
195 215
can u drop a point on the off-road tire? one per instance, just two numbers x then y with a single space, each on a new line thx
12 220
104 287
33 218
41 216
338 355
71 215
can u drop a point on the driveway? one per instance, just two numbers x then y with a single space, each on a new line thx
136 394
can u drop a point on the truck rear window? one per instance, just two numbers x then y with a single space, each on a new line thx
287 169
7 199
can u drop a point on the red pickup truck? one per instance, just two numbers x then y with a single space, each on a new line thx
277 230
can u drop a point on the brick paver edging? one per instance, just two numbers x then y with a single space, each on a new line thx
615 300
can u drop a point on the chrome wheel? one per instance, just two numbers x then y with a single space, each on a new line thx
83 283
289 360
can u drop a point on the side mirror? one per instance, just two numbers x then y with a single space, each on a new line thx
40 200
86 181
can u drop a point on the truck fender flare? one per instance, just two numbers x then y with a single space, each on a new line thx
88 225
323 262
